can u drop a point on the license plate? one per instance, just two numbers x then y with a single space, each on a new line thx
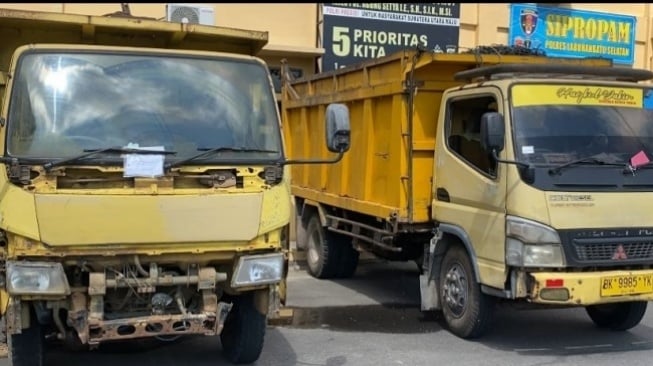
626 285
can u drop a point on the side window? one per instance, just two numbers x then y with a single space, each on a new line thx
464 131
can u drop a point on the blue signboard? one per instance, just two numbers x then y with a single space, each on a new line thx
573 33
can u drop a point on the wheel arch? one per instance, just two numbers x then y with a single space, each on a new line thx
455 235
305 208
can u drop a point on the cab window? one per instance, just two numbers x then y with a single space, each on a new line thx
464 132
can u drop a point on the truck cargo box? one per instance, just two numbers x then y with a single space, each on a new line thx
394 104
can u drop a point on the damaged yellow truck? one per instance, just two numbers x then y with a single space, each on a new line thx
144 189
507 177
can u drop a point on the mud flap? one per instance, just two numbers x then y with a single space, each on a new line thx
428 293
427 280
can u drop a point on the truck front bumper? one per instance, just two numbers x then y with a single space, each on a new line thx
589 288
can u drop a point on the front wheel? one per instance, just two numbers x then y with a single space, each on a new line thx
619 316
27 348
243 332
467 311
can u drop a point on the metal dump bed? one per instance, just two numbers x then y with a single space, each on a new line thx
388 171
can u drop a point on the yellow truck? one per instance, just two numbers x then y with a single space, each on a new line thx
144 187
507 177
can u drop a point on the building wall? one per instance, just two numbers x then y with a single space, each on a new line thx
293 27
282 20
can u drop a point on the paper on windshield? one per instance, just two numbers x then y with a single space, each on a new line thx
143 165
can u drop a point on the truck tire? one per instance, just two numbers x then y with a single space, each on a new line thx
244 331
27 348
348 256
619 316
300 233
467 311
322 256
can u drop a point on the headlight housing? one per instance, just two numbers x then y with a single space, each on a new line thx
531 244
36 278
254 270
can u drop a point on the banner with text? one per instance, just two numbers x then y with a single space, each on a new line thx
573 33
354 32
534 94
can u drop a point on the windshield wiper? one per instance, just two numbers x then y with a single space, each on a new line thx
114 150
594 160
213 150
630 169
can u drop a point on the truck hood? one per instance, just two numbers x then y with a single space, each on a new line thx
599 210
113 219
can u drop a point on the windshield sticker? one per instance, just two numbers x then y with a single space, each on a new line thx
639 159
525 95
527 150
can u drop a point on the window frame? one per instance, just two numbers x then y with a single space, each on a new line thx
454 98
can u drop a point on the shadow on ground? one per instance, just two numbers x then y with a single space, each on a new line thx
561 332
196 351
394 288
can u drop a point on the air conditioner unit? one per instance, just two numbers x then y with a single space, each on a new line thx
191 14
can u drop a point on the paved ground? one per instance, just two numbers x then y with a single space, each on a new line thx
374 319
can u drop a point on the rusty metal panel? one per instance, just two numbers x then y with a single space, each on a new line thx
18 27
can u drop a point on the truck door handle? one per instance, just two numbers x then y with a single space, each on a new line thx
442 194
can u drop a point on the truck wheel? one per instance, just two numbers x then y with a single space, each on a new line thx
322 255
27 348
467 311
619 316
243 332
348 255
300 233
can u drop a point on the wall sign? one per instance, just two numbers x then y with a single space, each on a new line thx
573 33
355 32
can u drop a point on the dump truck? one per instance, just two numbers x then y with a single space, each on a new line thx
507 177
144 187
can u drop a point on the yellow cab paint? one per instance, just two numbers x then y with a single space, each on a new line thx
192 228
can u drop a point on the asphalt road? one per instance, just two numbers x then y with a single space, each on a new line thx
374 319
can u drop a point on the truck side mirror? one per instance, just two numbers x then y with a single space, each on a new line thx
492 132
337 128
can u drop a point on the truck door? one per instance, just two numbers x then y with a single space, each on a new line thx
469 186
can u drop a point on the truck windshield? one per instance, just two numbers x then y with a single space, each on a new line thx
550 133
65 103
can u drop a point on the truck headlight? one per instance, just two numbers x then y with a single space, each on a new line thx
253 270
36 278
531 244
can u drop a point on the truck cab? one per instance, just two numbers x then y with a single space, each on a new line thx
542 192
144 187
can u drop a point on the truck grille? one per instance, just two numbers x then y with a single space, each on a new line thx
613 250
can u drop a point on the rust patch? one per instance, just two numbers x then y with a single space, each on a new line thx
158 325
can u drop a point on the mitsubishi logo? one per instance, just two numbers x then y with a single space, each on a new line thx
620 253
